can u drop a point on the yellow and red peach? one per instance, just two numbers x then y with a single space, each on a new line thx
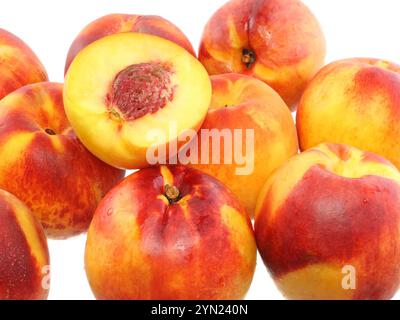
241 103
125 92
328 225
19 65
44 164
24 256
119 23
161 234
355 102
277 41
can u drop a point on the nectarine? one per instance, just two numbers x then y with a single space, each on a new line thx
277 41
126 92
44 164
19 65
243 103
170 233
328 225
355 102
24 256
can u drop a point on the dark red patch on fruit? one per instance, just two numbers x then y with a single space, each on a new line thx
19 274
371 82
141 89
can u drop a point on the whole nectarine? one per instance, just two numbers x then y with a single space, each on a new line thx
241 103
170 233
328 225
277 41
44 164
24 256
19 66
355 102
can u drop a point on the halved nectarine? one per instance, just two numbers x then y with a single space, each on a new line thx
129 92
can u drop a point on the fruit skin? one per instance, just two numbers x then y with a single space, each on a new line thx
251 104
330 207
140 246
19 65
361 107
103 129
118 23
24 255
57 178
286 38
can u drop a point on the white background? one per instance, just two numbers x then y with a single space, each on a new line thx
352 28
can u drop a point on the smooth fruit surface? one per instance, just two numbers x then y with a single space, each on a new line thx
119 23
243 103
328 225
19 66
355 102
130 92
170 233
277 41
44 164
24 255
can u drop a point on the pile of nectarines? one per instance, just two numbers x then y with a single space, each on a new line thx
214 144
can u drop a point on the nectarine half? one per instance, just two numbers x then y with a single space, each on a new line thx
130 92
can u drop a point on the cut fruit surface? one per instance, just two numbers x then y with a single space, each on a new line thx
129 92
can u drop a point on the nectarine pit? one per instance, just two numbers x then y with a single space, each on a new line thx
248 57
140 89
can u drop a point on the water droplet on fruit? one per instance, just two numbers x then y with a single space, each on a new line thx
109 212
